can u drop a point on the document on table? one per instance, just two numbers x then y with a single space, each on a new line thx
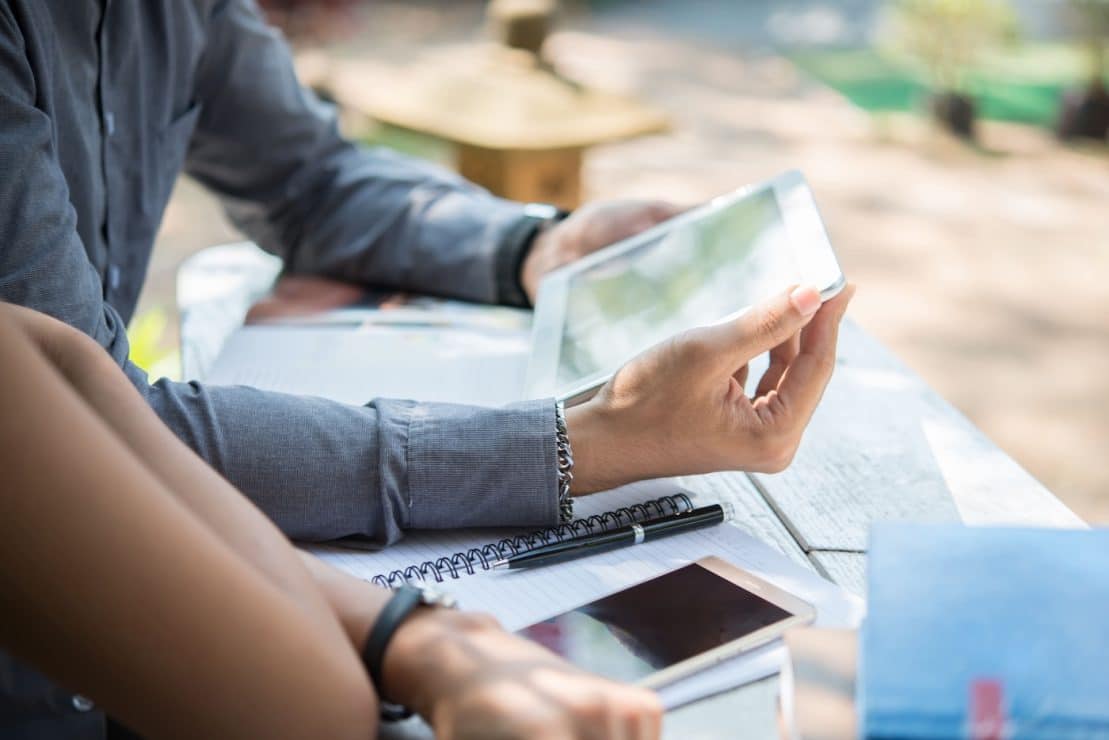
520 598
476 365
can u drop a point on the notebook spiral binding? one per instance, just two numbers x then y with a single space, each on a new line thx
482 558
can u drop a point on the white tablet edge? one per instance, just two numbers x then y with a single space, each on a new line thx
799 214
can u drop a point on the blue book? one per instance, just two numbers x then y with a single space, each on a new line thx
985 632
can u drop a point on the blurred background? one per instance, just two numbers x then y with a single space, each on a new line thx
958 150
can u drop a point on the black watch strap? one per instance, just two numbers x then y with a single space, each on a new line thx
514 248
403 602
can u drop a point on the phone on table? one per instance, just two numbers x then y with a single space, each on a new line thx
673 625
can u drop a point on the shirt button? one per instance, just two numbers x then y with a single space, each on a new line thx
109 123
82 703
113 277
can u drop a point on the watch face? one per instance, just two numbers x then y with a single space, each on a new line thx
432 596
541 210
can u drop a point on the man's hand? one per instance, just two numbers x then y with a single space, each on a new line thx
680 407
588 229
470 679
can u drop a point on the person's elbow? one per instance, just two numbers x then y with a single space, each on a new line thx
350 710
71 351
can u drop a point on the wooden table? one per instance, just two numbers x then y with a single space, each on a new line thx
881 446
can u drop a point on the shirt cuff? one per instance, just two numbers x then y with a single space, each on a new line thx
470 466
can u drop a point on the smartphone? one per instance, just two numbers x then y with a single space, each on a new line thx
673 625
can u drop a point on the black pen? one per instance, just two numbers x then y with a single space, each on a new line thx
632 534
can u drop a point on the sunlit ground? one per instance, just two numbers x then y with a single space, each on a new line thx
984 268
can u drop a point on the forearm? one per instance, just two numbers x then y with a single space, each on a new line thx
374 217
289 180
323 470
424 649
95 378
88 535
356 602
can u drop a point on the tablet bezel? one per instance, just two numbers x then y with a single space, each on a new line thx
799 215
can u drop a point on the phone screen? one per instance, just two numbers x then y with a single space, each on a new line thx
655 624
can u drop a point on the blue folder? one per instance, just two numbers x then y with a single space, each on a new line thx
976 632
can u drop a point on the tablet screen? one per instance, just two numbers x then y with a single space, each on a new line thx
656 624
699 271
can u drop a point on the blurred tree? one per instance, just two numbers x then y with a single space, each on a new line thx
1085 113
946 37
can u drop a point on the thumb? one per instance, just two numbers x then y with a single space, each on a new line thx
653 212
767 324
662 210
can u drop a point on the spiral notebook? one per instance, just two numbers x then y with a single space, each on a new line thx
475 559
522 597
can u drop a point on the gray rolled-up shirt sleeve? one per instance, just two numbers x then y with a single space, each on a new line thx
273 152
323 470
450 450
319 469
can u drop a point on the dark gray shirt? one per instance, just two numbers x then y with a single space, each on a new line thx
102 104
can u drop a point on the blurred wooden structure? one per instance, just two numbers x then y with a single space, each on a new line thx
519 128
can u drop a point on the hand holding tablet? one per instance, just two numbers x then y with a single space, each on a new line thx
652 336
679 408
699 268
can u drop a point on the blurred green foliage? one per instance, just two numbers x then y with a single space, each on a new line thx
409 142
946 37
147 336
1022 84
1090 20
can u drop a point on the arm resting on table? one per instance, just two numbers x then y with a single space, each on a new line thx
291 182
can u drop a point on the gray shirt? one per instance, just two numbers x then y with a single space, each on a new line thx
102 104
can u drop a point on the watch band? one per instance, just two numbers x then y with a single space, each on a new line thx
403 602
514 248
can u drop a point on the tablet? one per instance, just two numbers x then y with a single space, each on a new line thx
699 268
673 625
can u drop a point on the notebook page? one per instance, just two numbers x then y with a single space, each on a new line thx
424 545
519 598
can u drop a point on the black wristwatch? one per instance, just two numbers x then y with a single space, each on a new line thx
404 601
514 248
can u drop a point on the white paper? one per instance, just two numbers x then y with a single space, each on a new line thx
521 598
354 365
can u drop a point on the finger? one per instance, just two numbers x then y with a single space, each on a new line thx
823 334
766 325
649 726
780 357
653 213
594 710
740 376
660 210
804 381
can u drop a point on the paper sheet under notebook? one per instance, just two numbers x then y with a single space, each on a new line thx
520 598
354 365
